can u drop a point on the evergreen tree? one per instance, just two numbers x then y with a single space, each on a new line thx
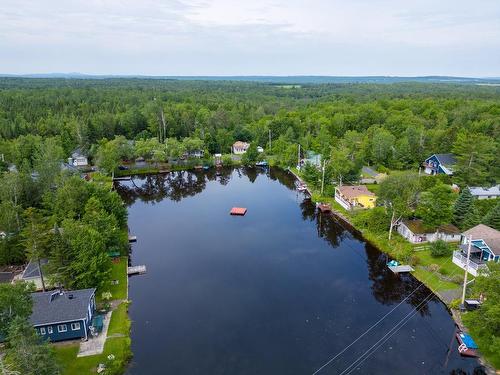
26 352
492 219
472 218
435 206
462 207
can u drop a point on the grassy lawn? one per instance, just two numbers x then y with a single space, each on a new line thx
119 325
71 365
484 343
118 272
118 346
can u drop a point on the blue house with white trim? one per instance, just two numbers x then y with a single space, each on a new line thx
63 315
485 247
439 164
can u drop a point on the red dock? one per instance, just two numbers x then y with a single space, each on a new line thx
238 211
324 207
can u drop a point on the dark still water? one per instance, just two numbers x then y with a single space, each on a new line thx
281 290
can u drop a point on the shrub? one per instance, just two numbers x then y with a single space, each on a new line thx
458 279
440 249
433 267
414 260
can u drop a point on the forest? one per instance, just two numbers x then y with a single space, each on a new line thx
46 212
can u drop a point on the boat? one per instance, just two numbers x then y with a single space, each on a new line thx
467 347
206 167
262 163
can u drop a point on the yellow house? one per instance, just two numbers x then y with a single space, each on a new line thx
351 197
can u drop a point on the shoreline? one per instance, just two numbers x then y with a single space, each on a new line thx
455 315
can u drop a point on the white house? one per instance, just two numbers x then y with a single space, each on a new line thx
485 247
415 232
78 159
239 147
485 193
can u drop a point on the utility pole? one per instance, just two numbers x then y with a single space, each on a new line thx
466 270
323 178
270 144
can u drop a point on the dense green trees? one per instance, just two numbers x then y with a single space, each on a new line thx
391 126
435 205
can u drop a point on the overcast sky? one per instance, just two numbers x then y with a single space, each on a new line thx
257 37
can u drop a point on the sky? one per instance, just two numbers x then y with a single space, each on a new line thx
257 37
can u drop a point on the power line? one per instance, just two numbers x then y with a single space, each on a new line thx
375 324
364 333
386 337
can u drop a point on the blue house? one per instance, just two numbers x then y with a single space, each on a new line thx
439 164
485 247
63 315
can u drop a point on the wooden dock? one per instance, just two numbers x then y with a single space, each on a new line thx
401 269
136 270
126 178
132 238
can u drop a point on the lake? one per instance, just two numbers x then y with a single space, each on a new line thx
281 290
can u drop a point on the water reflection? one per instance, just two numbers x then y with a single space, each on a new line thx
285 280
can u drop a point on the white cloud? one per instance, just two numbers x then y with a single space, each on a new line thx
223 37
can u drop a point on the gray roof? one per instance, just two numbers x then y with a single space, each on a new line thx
58 306
78 153
31 269
482 191
369 171
489 235
446 159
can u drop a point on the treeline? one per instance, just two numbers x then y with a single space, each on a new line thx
388 126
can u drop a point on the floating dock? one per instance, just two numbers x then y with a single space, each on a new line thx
136 270
240 211
401 269
132 238
127 178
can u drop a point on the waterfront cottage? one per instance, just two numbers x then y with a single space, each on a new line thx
78 159
485 193
439 164
357 196
485 247
239 147
415 232
63 315
311 158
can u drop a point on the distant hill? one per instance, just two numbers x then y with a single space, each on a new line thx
280 79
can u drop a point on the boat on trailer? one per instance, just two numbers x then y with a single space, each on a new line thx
467 347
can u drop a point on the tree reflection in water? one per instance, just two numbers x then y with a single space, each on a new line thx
387 287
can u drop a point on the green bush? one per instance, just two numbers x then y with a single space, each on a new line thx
440 249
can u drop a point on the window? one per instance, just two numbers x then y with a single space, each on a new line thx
42 330
62 328
75 326
50 330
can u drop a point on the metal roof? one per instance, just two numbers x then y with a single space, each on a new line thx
483 191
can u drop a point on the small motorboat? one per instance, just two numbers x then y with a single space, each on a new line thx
467 347
302 187
206 167
262 163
